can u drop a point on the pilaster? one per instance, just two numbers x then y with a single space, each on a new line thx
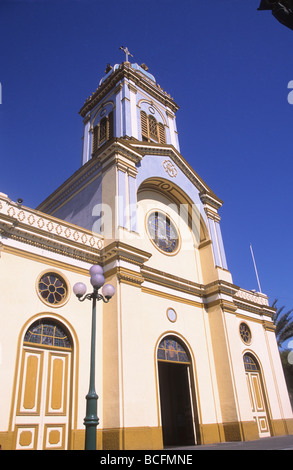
211 206
119 191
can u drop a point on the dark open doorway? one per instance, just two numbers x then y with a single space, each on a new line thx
176 404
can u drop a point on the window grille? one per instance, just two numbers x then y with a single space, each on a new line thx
52 289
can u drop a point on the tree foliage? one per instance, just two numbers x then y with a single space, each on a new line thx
284 331
283 323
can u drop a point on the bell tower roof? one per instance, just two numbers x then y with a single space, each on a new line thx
128 103
138 74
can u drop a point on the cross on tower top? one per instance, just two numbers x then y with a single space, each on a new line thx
126 51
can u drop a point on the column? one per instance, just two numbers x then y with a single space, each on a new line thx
132 200
126 111
133 111
87 140
118 111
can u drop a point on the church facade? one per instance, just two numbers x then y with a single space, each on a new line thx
184 356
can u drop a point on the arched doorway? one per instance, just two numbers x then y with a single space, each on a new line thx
257 394
178 411
42 416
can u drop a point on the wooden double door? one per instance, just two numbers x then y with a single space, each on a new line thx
42 416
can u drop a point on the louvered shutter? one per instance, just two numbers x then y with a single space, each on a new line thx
162 135
144 125
95 138
111 125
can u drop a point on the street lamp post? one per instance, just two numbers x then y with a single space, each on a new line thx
97 280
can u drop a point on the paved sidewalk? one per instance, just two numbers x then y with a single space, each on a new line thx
270 443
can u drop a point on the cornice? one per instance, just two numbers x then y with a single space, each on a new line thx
253 308
84 174
269 326
205 192
211 200
169 280
226 305
219 287
219 293
244 299
116 148
126 276
117 250
125 71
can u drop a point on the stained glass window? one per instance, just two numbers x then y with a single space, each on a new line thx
52 288
250 363
47 333
170 350
163 232
245 333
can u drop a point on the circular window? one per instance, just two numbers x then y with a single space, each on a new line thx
172 315
163 232
52 289
245 333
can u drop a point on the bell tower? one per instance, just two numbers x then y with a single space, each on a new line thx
129 104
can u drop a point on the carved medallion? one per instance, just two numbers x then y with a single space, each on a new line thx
170 168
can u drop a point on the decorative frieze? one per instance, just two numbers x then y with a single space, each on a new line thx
39 229
251 296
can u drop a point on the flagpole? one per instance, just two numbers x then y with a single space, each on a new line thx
255 268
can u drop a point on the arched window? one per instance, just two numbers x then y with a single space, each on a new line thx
250 364
103 131
47 332
171 350
151 130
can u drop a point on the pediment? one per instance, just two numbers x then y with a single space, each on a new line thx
150 148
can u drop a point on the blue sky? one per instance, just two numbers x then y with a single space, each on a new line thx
225 64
